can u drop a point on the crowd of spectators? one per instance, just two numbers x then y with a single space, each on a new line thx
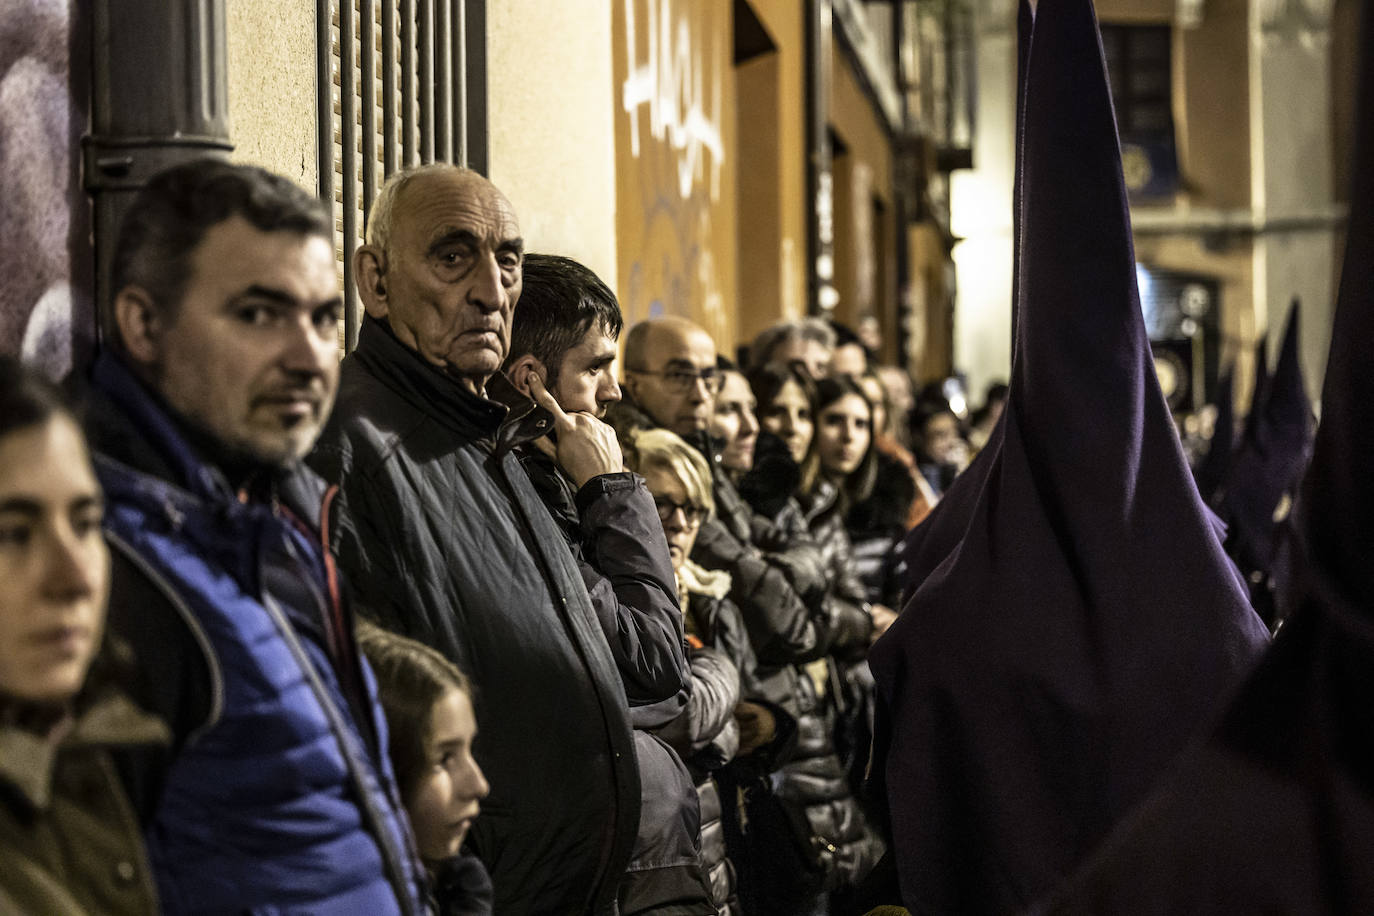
465 622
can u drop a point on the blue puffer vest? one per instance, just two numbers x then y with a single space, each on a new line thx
276 804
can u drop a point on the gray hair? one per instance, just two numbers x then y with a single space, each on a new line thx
380 219
769 339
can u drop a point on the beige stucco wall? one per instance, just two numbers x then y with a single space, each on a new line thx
785 22
552 137
271 45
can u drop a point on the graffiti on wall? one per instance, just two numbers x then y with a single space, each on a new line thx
45 255
674 123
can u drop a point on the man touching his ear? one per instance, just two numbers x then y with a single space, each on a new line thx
562 355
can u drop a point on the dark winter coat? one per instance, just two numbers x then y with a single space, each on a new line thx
708 735
446 541
282 793
614 532
877 526
776 577
69 836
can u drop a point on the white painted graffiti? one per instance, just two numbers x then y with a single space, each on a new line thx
670 81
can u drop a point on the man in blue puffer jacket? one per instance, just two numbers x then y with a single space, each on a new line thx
277 795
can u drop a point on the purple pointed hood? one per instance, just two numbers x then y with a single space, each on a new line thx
1275 811
1265 472
1079 619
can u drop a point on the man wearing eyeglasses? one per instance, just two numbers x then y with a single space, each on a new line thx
777 577
670 373
563 343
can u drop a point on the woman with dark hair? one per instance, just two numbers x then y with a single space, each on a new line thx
839 473
812 789
69 836
783 396
431 726
842 464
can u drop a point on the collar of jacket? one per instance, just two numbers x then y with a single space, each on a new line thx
429 390
147 439
820 501
109 719
525 420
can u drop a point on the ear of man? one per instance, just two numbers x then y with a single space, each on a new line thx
521 371
369 267
141 324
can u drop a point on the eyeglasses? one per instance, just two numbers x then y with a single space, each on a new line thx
694 515
680 381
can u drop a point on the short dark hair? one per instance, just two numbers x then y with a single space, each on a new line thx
560 301
27 398
411 678
173 211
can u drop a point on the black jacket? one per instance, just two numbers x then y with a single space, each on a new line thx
614 532
850 623
446 541
723 672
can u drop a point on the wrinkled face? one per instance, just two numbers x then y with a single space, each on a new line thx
942 438
447 796
810 356
54 566
250 354
586 381
681 516
735 423
843 435
677 384
452 273
789 418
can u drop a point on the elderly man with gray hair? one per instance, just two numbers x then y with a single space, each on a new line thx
445 539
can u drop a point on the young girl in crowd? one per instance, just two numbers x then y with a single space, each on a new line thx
430 720
69 838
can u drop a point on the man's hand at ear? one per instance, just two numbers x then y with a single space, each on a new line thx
586 447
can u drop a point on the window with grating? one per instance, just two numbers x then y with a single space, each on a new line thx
399 83
1140 69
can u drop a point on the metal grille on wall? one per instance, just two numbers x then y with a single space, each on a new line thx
413 92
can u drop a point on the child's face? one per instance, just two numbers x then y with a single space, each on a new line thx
446 798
